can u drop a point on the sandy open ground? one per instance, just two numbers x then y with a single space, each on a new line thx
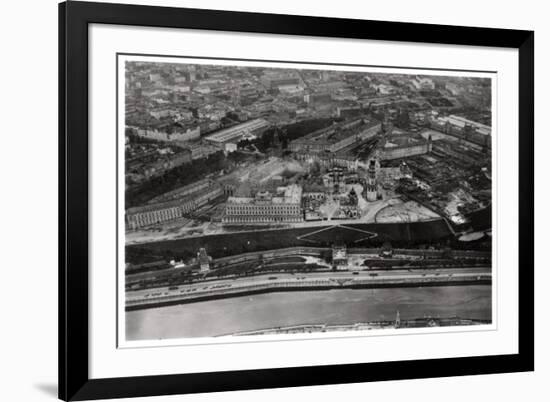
409 211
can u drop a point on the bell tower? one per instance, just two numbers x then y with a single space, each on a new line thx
372 185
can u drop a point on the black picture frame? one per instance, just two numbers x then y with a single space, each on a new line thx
74 18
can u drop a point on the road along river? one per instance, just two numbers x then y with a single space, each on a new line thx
201 291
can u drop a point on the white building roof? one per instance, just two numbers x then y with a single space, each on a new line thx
289 195
237 131
461 122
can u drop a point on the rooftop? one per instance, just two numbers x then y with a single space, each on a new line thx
285 195
170 203
338 132
461 122
238 130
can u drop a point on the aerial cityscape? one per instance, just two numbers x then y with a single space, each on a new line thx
263 200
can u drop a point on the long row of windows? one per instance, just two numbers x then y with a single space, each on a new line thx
404 152
153 217
260 218
248 209
142 219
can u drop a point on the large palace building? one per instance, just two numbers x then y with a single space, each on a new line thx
265 208
173 205
463 128
337 136
403 146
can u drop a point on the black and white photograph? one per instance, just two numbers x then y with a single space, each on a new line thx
275 201
280 199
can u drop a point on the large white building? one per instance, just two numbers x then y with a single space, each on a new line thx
182 135
264 208
236 133
423 83
461 122
460 127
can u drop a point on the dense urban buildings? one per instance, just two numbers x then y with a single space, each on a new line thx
242 180
338 134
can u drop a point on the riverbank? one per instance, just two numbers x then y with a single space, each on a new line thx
326 307
221 289
362 326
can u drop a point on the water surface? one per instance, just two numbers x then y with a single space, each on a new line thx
337 306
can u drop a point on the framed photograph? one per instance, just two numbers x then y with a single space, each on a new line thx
258 200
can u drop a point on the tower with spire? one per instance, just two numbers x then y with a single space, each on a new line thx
371 184
277 145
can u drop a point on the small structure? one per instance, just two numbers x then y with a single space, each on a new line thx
387 251
397 320
339 255
230 147
177 264
405 170
203 260
352 196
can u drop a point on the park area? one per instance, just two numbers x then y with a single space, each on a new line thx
432 232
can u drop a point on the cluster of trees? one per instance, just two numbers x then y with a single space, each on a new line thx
238 157
262 143
255 268
301 128
138 255
402 120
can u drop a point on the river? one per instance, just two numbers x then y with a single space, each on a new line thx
338 306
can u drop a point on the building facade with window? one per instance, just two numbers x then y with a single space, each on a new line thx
161 212
264 208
